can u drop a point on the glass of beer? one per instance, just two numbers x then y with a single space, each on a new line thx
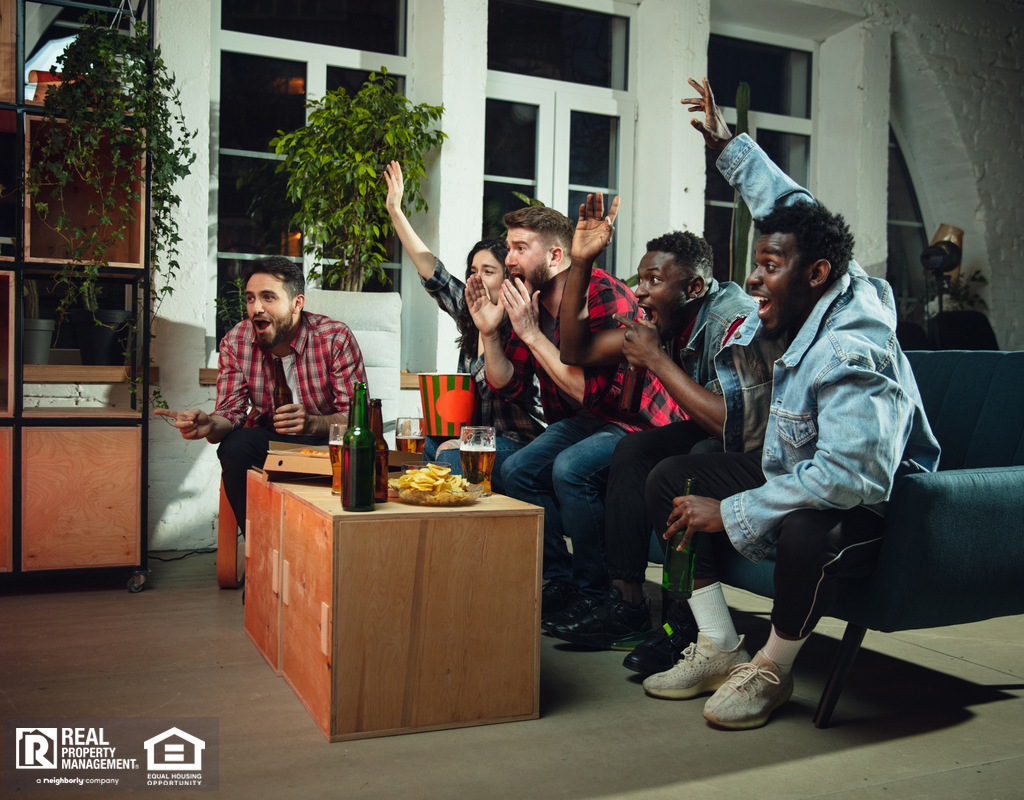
334 443
476 451
409 436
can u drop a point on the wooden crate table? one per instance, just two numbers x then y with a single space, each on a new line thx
407 618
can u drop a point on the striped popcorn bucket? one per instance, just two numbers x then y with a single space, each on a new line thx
448 403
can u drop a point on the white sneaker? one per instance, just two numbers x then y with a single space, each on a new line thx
749 696
703 668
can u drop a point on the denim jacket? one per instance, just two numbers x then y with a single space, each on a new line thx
846 417
725 303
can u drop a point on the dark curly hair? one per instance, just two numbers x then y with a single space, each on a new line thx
468 334
688 250
818 232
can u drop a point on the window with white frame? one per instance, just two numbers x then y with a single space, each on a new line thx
560 110
271 58
779 121
907 239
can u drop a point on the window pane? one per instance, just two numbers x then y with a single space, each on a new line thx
357 24
717 222
550 41
593 151
510 140
259 97
718 187
498 201
791 151
779 78
253 209
352 80
906 241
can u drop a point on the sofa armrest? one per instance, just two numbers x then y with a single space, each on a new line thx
952 552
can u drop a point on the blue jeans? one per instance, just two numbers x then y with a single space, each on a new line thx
503 448
565 471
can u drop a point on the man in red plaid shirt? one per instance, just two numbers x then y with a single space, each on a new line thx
565 469
321 361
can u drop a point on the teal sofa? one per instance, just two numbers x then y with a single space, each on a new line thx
953 546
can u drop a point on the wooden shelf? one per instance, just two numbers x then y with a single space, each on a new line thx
44 245
207 376
83 411
410 380
73 373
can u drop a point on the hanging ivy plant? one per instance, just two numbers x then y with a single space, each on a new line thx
116 104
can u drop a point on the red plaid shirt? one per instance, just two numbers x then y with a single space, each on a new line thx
606 295
327 361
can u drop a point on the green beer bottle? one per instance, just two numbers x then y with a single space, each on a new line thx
677 575
359 454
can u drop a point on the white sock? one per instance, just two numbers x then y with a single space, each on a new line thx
782 652
713 618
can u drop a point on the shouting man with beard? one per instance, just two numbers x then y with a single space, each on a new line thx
845 422
565 468
321 362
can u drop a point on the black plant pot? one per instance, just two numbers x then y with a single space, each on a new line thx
102 345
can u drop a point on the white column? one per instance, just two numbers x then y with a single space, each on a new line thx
669 163
448 48
851 136
184 476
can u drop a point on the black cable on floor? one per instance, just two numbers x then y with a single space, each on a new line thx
190 553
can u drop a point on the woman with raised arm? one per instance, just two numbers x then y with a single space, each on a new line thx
515 424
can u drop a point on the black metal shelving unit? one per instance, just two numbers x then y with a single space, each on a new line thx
15 260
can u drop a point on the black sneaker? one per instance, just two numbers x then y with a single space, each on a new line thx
606 623
555 597
579 604
664 648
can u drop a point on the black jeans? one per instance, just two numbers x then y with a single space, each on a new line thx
813 547
627 525
243 449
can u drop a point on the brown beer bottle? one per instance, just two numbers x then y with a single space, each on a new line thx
282 394
380 492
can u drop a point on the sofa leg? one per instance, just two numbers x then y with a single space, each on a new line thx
848 649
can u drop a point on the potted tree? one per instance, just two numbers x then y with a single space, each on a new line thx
115 106
335 166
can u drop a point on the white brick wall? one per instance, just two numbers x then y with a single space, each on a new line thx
959 93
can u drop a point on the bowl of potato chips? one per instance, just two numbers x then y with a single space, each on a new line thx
432 484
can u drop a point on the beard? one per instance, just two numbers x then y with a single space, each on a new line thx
272 336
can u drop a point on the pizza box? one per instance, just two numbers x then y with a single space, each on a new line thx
285 458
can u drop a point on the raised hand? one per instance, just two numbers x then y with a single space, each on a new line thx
192 424
594 229
393 178
487 316
523 309
714 129
641 344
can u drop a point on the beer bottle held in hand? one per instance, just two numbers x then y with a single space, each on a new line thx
632 388
359 454
677 575
282 394
380 493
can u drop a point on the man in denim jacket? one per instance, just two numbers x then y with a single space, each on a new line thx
845 421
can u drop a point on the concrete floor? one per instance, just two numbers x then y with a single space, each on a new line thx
928 714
